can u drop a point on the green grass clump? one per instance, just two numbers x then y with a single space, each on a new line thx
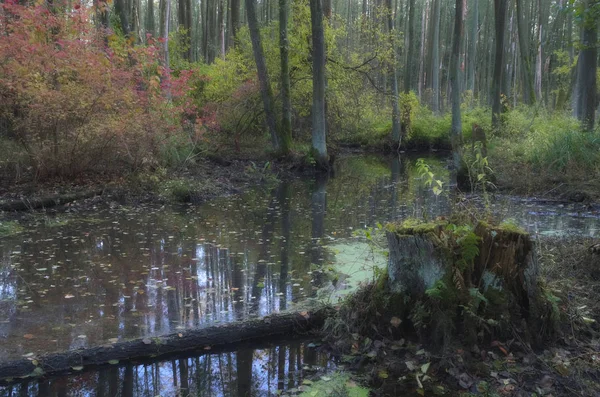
546 150
10 228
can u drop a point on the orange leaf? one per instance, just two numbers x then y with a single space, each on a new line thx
28 336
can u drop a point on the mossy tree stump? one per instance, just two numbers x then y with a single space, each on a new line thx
450 280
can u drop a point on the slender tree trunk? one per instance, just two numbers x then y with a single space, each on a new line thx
135 21
586 72
528 89
319 125
263 78
122 11
221 24
408 73
422 50
539 57
396 127
188 28
500 25
150 18
435 57
165 16
456 133
235 19
473 47
286 107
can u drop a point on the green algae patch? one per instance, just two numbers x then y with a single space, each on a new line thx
334 384
354 263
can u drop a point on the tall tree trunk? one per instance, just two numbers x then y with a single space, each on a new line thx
539 56
500 25
122 10
235 19
136 28
408 75
435 57
528 89
456 132
421 83
263 78
319 133
221 24
188 28
396 127
165 16
586 70
473 47
286 106
150 18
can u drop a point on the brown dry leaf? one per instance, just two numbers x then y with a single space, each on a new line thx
28 336
207 347
395 321
305 315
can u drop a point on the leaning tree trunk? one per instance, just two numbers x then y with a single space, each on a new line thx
456 282
263 77
286 102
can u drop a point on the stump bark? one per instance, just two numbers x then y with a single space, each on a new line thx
459 279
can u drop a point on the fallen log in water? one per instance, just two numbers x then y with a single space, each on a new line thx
47 202
203 340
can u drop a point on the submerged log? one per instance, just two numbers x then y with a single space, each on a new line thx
47 202
459 280
203 341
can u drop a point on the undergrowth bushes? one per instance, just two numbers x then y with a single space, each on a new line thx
76 99
546 150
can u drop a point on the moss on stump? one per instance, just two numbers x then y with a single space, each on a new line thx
452 282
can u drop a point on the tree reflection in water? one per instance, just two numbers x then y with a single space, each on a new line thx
245 373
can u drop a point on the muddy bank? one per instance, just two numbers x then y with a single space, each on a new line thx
201 182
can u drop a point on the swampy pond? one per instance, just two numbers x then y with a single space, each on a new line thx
78 279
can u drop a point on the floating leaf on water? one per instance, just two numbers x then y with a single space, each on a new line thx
113 362
77 368
383 374
146 341
69 296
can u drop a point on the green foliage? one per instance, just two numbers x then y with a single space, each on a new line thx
10 228
428 177
545 148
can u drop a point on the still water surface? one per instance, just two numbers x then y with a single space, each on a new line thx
80 279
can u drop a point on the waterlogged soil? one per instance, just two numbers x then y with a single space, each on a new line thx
97 274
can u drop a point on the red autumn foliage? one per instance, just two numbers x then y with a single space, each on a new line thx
80 99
